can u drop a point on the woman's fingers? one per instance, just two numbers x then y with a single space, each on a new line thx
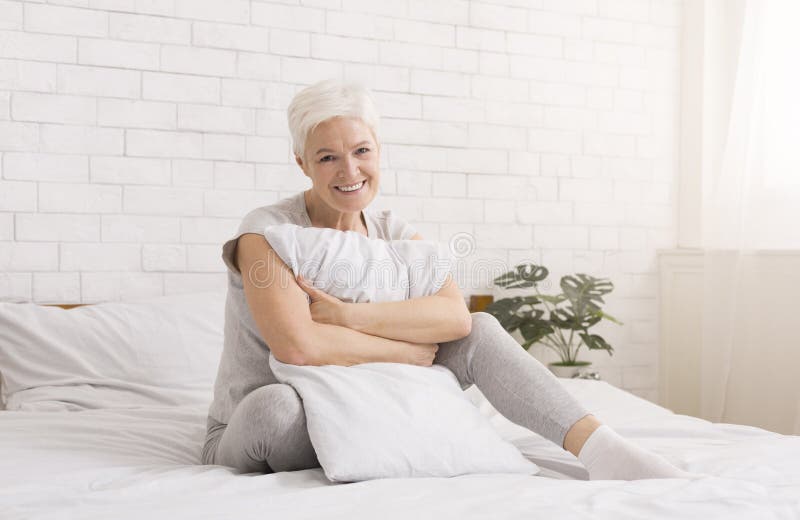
324 307
312 291
316 294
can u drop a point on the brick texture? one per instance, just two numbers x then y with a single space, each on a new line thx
135 135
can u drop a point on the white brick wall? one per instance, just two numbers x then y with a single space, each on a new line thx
135 135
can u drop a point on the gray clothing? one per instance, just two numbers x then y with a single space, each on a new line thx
256 424
267 432
244 365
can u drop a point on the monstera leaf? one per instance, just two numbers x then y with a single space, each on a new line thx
582 298
555 300
533 331
606 316
524 275
595 342
566 319
585 292
510 312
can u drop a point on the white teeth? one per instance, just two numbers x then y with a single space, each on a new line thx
352 187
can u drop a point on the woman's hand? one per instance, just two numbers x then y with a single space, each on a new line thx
422 354
324 307
333 311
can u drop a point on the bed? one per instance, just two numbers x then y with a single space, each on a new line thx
143 460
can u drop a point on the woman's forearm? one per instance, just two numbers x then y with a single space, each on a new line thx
427 319
327 344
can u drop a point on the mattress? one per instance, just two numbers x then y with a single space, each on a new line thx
145 463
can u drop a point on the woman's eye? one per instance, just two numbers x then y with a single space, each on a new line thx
329 158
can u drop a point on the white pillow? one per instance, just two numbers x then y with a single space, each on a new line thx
358 269
385 420
159 351
392 420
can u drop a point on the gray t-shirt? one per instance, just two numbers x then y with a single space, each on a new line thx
244 365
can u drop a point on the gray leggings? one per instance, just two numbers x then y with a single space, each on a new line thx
267 430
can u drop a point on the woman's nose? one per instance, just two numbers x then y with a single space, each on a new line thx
349 167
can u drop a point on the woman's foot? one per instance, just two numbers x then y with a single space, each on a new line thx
608 456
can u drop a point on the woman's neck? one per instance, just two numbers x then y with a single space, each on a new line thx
321 215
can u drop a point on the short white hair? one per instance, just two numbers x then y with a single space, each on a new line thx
325 100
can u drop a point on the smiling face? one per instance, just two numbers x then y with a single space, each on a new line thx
342 152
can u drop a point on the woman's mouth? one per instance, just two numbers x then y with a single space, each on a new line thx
351 188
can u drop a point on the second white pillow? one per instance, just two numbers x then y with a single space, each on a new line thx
392 420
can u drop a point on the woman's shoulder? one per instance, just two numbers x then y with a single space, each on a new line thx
288 210
282 211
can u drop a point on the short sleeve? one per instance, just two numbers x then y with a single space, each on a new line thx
253 222
229 253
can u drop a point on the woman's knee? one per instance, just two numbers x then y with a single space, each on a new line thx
487 334
458 355
483 325
483 321
273 405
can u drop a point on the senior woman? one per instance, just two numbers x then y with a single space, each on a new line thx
256 424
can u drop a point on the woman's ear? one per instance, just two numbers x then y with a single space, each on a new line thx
300 163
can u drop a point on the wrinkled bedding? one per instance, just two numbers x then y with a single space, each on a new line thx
144 463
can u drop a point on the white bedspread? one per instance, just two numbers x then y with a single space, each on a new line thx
143 463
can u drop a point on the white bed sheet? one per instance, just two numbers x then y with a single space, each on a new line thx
144 463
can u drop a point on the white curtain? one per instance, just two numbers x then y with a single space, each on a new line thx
751 233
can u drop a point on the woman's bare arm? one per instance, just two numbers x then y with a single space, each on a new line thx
281 313
437 318
441 317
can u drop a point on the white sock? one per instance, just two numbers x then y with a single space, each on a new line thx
608 456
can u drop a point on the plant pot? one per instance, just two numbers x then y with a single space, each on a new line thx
568 371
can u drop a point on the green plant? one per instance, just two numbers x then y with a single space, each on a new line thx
581 298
